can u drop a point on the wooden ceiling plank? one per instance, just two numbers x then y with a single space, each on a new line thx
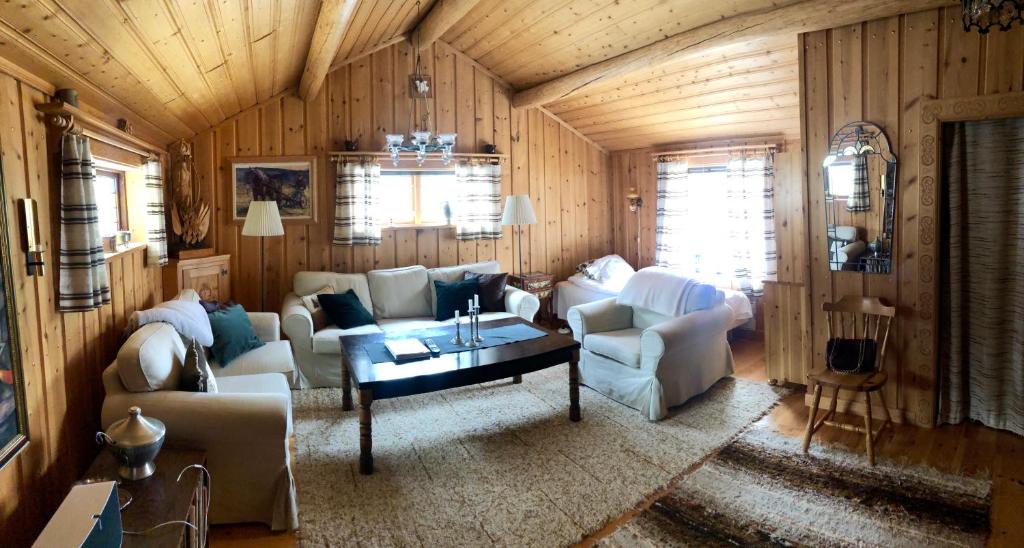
284 51
195 21
762 118
505 30
732 131
264 16
368 51
232 36
332 22
807 15
363 14
694 111
379 30
481 15
442 16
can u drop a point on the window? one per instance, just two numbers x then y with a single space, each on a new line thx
840 179
110 202
417 197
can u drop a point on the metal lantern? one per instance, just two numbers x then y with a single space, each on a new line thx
135 442
986 14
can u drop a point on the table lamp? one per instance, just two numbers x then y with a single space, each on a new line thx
519 212
263 219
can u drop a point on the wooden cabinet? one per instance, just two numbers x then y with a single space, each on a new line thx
209 276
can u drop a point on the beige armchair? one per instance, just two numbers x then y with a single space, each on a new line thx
648 361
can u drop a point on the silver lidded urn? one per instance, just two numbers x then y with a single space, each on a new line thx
135 442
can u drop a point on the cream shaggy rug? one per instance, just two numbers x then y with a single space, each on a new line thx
498 464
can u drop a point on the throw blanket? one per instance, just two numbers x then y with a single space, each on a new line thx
188 318
668 293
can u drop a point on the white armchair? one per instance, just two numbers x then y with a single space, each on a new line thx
648 361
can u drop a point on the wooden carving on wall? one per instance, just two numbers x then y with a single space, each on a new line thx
925 321
190 214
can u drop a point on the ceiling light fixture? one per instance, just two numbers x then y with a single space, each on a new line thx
988 14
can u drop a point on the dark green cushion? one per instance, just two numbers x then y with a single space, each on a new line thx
344 309
233 334
452 296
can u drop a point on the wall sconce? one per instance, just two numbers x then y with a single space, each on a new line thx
28 213
635 203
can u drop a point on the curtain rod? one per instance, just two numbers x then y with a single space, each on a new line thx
68 118
707 150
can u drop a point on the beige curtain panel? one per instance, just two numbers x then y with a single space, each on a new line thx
357 202
83 284
478 205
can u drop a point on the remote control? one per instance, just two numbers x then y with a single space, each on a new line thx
432 347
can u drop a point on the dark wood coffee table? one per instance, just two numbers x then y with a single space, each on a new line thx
390 380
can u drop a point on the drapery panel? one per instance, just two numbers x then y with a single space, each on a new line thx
84 284
860 195
478 203
156 220
981 322
357 202
717 222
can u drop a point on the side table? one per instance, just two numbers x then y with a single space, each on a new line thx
540 284
161 498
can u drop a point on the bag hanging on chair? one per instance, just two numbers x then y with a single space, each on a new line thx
850 356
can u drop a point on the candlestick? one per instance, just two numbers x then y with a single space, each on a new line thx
457 340
472 342
476 334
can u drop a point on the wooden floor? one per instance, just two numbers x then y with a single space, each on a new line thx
962 449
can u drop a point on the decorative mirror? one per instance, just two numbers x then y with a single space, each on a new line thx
13 413
860 199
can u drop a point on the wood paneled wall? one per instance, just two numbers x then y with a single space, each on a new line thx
879 71
63 355
565 175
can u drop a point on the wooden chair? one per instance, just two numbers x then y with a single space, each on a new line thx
857 317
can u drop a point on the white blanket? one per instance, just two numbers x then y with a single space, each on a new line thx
188 318
608 274
666 292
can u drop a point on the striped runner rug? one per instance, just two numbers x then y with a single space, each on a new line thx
762 490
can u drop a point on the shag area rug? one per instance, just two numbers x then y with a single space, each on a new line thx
498 463
762 490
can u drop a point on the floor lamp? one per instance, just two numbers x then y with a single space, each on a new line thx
518 212
263 219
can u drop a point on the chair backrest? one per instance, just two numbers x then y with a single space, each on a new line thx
861 317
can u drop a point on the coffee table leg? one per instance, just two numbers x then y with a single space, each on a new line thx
574 387
365 434
346 385
517 379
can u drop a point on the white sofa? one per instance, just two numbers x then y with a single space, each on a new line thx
244 427
399 298
647 360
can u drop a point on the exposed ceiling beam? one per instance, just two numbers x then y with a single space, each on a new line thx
442 17
796 17
331 24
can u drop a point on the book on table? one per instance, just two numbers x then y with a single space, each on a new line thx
404 350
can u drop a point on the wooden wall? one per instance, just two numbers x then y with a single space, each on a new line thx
63 355
879 71
565 175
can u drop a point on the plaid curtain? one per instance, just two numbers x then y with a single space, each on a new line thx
156 223
716 223
478 207
860 198
84 284
357 219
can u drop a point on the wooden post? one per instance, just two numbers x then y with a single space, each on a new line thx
346 385
574 387
365 432
517 379
867 429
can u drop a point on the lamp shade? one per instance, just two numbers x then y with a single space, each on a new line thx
518 211
263 219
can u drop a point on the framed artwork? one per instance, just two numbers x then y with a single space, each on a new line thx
288 180
13 410
420 86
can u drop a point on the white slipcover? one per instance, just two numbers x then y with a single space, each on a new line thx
678 357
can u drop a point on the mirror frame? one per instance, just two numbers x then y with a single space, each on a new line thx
13 346
862 138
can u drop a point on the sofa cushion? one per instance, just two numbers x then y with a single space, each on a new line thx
622 346
399 292
272 357
307 283
345 310
492 290
325 341
426 322
233 334
454 297
455 273
151 359
316 312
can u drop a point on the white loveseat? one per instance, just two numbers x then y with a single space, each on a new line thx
647 360
399 298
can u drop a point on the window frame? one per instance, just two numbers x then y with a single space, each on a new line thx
417 195
121 196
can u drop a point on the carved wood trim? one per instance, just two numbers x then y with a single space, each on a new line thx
925 321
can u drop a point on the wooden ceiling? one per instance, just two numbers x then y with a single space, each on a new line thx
182 66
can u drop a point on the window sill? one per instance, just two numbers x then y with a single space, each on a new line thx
128 248
401 227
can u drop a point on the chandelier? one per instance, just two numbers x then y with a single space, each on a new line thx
423 142
986 14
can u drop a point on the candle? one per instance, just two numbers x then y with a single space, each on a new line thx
469 304
456 316
476 300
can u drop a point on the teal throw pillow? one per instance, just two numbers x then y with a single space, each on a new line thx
344 309
233 334
452 296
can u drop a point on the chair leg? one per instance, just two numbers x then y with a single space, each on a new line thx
811 417
867 429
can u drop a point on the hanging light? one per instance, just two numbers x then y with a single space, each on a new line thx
988 14
422 141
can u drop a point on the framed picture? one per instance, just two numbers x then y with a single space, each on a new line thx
13 410
288 180
420 86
